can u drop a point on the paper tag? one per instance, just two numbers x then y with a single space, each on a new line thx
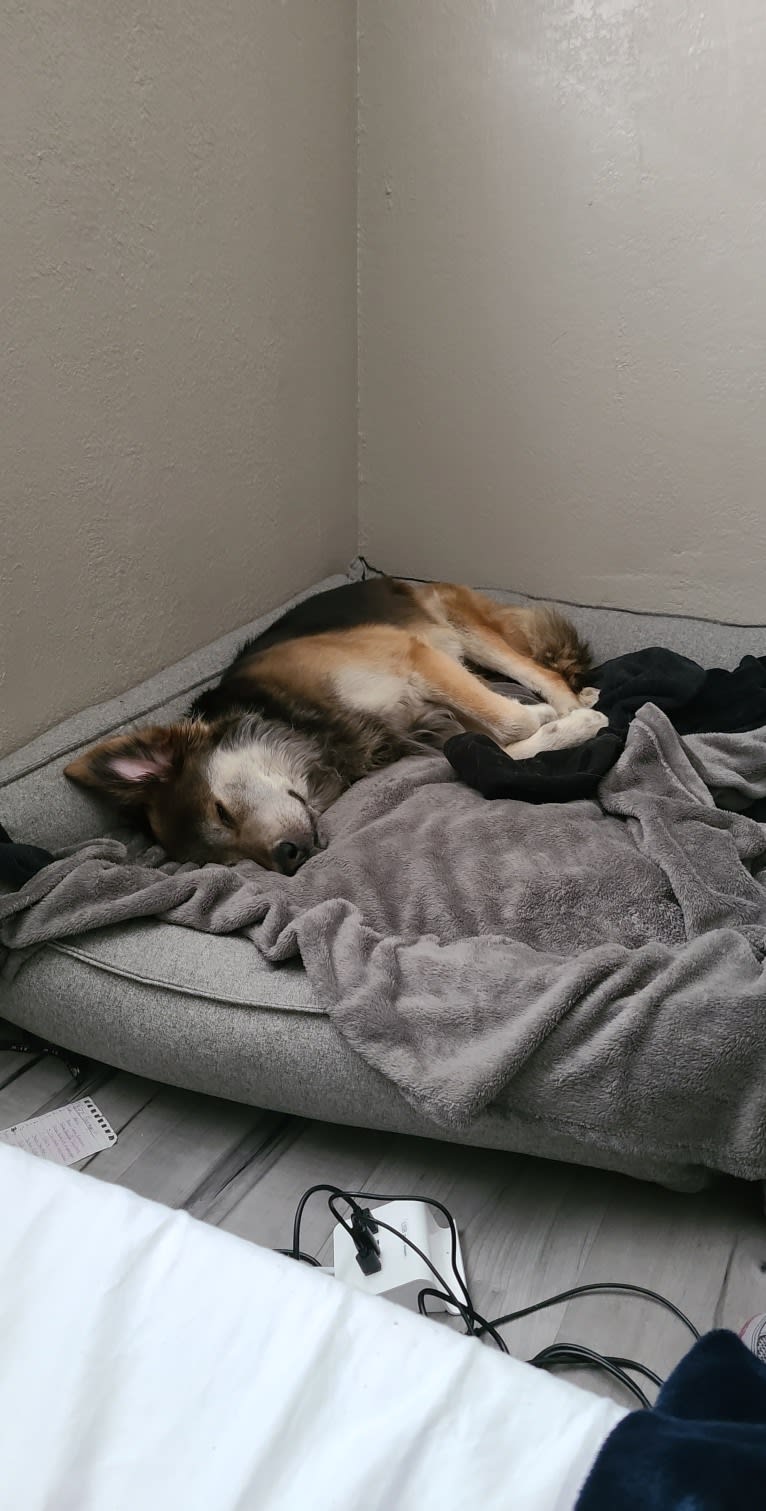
66 1135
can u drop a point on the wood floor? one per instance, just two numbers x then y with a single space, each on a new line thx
529 1227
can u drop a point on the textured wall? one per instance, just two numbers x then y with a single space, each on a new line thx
177 267
563 322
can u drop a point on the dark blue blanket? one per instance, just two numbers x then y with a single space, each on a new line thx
701 1448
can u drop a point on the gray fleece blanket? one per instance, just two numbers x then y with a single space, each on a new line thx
598 966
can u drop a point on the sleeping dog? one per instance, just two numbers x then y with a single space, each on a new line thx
346 682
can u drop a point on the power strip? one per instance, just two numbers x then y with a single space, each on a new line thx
402 1274
399 1250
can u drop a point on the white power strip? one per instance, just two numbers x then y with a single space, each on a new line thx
402 1274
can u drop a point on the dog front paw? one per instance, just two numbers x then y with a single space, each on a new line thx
584 723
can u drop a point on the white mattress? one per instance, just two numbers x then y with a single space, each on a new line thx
150 1361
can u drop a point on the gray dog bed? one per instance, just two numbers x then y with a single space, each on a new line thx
212 1012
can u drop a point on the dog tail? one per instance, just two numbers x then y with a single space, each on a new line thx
555 643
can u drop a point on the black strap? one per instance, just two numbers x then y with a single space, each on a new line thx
18 863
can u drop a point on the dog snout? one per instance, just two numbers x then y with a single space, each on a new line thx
289 855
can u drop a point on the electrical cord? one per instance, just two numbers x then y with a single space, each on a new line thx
332 1191
617 1287
470 1317
577 1353
363 1227
641 1369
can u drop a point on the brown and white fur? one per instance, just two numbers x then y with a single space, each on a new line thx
342 684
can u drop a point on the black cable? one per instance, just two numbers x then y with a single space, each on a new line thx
557 1353
615 1286
339 1218
312 1191
571 603
449 1300
469 1317
643 1369
361 1231
577 1353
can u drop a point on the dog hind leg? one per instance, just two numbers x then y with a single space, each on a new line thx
536 647
443 680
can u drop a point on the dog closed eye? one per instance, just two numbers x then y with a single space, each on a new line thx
224 816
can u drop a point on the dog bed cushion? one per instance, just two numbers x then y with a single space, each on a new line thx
209 1012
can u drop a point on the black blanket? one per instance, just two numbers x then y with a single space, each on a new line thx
696 702
19 862
702 1447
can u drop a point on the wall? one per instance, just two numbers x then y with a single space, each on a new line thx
178 357
563 323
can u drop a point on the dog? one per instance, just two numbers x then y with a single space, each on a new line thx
344 683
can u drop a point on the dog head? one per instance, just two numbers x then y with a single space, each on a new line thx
214 792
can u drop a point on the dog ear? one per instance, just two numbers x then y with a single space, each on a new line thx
131 766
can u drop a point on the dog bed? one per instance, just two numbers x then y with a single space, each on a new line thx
210 1012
